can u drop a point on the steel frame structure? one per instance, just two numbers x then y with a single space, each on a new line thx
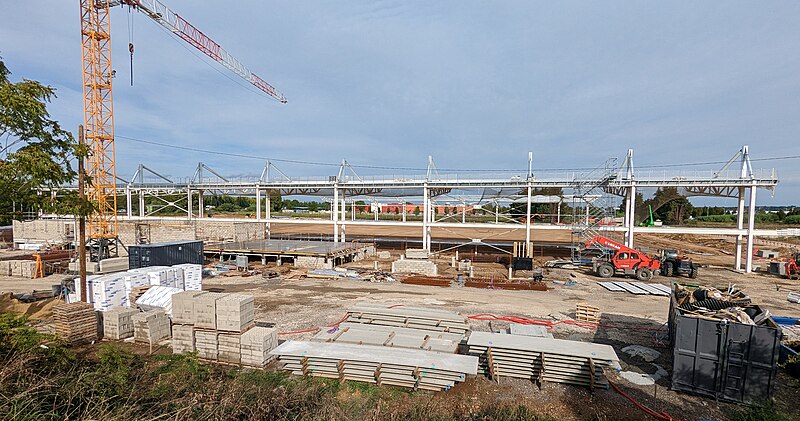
622 181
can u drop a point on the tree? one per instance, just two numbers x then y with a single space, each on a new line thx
416 211
35 151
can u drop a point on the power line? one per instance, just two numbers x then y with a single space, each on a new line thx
380 167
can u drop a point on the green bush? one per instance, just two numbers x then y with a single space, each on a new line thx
717 218
792 219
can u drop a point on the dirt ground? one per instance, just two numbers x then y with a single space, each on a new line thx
299 304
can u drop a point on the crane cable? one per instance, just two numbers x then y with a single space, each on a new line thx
130 37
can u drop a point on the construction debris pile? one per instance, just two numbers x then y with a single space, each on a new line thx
730 304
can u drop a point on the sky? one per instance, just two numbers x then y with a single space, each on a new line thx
474 84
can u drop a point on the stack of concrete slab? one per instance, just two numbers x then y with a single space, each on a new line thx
118 323
399 337
529 330
75 322
376 364
229 347
206 343
158 297
410 317
114 264
182 339
151 326
183 306
192 276
256 345
235 312
543 359
205 310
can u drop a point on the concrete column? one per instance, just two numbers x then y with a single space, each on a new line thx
201 207
425 217
632 216
335 213
258 204
751 224
737 264
528 224
128 201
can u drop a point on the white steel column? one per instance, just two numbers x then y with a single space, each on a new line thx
631 216
335 213
200 205
425 217
129 201
258 204
189 203
558 212
751 223
404 211
268 207
141 203
737 263
344 216
528 224
626 217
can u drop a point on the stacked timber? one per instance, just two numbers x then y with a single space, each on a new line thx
379 365
75 322
543 359
256 345
399 337
409 317
118 323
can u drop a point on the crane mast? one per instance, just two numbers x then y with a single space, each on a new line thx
98 104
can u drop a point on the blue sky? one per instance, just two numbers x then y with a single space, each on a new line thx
474 84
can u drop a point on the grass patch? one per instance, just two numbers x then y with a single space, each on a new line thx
765 411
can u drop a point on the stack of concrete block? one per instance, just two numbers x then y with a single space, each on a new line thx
229 347
256 344
114 264
18 268
192 276
205 310
151 326
235 312
206 343
118 323
420 266
183 306
5 268
417 254
75 322
183 339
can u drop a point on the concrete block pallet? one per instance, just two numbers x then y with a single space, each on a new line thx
118 323
183 340
205 310
206 343
75 322
376 364
256 345
409 317
229 347
183 306
151 326
235 312
157 297
543 359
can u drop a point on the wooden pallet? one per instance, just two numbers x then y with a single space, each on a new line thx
587 313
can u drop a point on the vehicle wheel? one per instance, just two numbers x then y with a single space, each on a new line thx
644 274
693 273
669 270
605 270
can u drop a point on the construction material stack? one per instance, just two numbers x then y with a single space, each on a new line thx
543 359
183 338
408 317
235 312
205 310
399 337
192 276
379 365
157 297
151 326
256 345
118 323
75 322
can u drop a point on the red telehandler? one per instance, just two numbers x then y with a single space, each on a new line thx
625 261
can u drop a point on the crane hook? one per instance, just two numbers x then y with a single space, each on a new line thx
130 48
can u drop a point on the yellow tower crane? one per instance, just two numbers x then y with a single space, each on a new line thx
98 105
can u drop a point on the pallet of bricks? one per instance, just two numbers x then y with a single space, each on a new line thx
151 327
75 322
220 327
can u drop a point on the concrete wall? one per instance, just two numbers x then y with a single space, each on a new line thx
423 267
312 262
44 231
